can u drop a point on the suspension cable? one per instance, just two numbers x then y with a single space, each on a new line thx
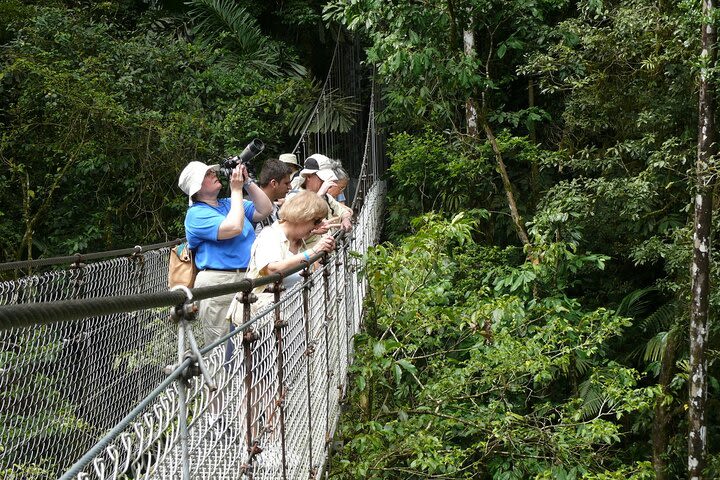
46 313
321 97
82 257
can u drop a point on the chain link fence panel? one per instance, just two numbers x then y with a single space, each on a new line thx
279 382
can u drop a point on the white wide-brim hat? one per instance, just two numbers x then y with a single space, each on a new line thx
192 176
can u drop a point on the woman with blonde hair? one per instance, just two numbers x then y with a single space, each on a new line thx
282 245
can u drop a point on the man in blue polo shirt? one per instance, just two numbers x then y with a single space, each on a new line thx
220 233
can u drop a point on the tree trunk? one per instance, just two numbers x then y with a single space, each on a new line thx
700 273
534 170
660 436
30 218
514 214
531 104
453 23
480 117
471 111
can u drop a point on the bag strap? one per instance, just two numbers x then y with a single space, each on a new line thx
184 252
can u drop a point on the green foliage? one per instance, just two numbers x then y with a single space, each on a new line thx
623 70
480 382
98 121
338 113
418 50
448 173
556 267
224 23
27 471
431 172
12 12
595 110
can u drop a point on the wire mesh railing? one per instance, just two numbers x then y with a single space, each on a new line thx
101 377
27 267
62 386
69 380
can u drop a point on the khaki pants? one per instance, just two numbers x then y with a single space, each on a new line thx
212 312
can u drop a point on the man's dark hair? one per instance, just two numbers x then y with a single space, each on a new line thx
273 169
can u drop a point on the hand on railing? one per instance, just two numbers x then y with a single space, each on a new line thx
346 222
326 225
326 244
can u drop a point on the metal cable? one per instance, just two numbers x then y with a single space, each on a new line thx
79 258
46 313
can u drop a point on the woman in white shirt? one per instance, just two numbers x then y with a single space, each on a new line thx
282 245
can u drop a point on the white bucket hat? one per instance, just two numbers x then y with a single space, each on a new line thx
290 159
320 165
192 176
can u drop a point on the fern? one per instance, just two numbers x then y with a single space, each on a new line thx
660 319
335 113
224 23
593 398
655 347
636 303
582 363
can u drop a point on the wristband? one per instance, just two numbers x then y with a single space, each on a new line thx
307 257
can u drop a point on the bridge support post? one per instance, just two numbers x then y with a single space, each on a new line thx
328 318
282 389
182 406
340 299
250 336
308 370
182 314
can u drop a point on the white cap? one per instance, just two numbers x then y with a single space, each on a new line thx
290 159
320 165
192 176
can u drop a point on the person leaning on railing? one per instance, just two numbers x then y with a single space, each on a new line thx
317 176
282 246
220 233
337 191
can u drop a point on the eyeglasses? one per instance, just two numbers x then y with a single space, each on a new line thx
318 221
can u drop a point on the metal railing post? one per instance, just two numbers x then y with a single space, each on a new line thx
182 406
250 336
137 260
282 391
309 350
324 261
340 284
78 283
350 302
182 313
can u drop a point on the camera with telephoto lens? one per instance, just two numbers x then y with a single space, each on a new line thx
250 152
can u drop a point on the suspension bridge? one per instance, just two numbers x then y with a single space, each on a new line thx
101 376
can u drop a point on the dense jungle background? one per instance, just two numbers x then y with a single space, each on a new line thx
528 314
